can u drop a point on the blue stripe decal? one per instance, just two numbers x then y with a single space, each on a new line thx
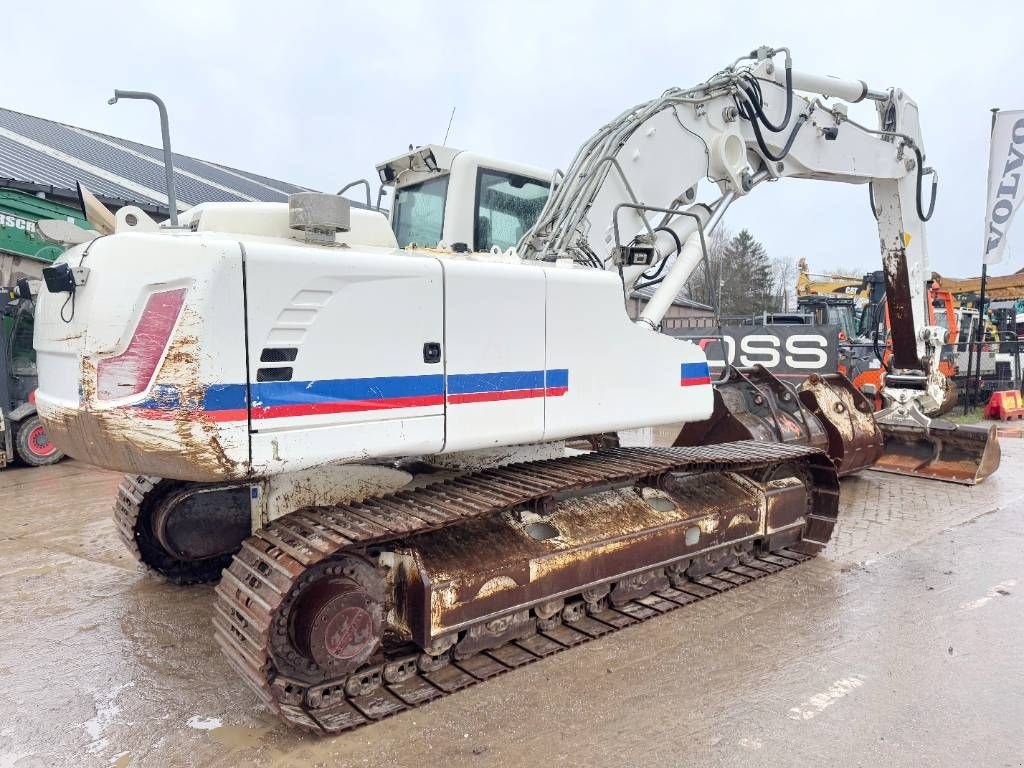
502 381
318 393
558 378
225 397
269 394
695 371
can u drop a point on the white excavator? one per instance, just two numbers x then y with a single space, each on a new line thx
371 440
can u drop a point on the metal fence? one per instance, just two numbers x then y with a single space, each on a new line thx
699 322
982 368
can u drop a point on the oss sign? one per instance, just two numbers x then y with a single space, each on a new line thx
785 350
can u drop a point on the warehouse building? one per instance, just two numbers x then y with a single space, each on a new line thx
41 162
684 312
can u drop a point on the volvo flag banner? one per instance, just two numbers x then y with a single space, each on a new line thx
788 351
1005 191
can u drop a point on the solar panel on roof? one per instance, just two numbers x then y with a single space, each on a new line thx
209 171
26 164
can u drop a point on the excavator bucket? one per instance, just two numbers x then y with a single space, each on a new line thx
919 446
854 439
826 413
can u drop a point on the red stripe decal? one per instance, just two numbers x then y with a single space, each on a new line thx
485 397
695 382
237 414
347 406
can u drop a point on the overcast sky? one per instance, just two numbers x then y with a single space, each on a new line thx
317 93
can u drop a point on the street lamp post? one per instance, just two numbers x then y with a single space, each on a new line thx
165 133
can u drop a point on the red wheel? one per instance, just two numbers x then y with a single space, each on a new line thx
33 444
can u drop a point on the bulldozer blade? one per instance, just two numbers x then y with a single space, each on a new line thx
854 440
753 404
827 412
938 449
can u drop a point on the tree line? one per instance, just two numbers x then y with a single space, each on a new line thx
741 278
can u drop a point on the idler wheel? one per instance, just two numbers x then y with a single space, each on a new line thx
335 623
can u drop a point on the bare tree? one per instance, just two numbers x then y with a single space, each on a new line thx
784 273
705 284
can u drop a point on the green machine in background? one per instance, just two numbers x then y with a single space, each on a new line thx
23 254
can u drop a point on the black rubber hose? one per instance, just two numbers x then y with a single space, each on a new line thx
789 142
661 264
920 183
756 103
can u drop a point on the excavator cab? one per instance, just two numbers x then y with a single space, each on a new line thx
461 199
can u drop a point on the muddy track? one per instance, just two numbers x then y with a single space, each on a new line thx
136 495
254 593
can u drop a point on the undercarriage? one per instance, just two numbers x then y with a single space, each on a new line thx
337 616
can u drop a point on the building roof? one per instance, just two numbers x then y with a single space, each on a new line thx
681 300
40 155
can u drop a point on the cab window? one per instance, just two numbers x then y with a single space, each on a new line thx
506 206
419 212
23 355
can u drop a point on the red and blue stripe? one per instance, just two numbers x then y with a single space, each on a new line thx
273 400
507 385
694 374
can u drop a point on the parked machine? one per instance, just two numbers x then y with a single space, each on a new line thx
828 284
21 432
870 350
371 439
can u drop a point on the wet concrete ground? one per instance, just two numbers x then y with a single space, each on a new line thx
900 646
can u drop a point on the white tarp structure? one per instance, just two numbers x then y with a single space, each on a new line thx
1005 190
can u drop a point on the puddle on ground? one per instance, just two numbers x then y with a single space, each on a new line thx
239 737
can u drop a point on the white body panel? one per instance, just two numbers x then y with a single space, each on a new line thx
494 340
530 353
621 375
359 387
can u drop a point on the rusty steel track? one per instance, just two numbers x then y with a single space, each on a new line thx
255 590
136 494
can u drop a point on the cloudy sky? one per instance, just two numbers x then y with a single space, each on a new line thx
317 93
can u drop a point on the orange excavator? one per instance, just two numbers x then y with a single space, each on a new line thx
867 356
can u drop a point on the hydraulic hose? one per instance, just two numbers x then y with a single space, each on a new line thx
786 147
746 107
754 93
920 185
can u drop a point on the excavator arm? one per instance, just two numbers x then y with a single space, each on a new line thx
629 198
633 200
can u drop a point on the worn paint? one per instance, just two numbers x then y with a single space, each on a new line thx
497 584
184 445
819 702
1002 589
